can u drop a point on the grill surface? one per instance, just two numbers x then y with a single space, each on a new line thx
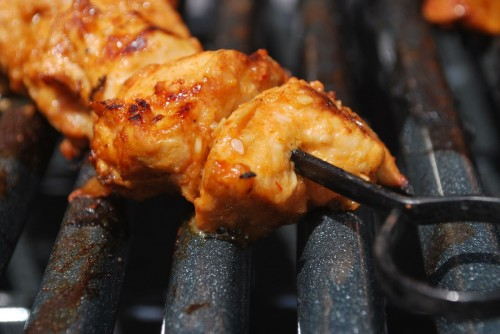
22 162
335 276
436 158
382 59
81 286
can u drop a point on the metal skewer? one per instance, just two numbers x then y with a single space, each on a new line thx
409 293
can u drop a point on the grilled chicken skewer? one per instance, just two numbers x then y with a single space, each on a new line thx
161 114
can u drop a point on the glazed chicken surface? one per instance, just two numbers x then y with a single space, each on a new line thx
483 15
249 174
159 130
163 115
68 53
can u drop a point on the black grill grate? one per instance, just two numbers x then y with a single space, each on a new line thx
81 285
381 58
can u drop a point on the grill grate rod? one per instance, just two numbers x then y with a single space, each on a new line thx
82 282
435 155
476 108
209 285
26 142
490 65
335 280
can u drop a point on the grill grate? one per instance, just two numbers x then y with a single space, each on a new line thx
380 57
209 286
435 156
81 286
335 282
22 161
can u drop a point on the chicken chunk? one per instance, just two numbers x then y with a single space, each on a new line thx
157 133
478 14
249 184
68 53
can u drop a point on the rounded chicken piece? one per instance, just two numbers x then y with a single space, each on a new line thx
157 132
91 49
249 185
67 53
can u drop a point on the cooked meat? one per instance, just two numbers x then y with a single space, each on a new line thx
159 129
21 32
68 53
249 184
212 125
478 14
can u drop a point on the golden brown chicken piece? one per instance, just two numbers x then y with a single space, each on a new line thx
249 184
159 131
478 14
68 53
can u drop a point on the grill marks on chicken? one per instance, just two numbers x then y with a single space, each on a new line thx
249 184
68 53
478 14
217 126
159 131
